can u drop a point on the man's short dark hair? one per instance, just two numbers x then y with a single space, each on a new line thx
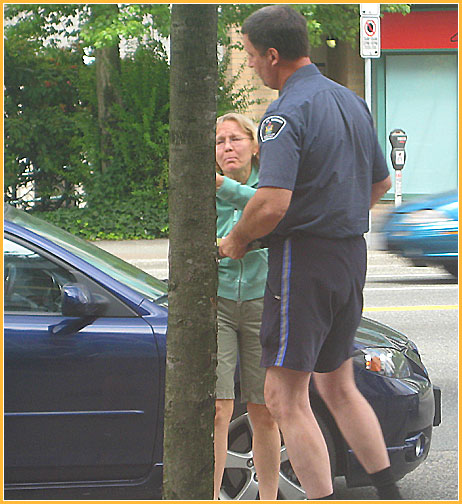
280 27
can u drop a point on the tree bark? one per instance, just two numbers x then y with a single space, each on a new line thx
191 341
108 92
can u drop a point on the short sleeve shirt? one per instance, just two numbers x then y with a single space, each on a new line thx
318 140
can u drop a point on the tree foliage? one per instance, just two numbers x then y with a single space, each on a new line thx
43 113
340 21
54 134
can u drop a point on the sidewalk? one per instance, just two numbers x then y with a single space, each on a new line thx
149 255
152 255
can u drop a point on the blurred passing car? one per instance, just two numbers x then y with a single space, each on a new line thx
426 231
84 377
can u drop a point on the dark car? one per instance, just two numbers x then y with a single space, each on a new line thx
84 371
426 231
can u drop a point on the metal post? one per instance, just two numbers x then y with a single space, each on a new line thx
369 40
398 187
368 98
368 82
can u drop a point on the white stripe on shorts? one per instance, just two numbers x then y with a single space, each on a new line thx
285 295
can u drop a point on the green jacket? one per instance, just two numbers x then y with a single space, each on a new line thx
243 279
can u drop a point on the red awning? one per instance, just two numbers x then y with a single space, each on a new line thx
420 30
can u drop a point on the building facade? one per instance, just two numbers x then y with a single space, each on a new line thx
416 90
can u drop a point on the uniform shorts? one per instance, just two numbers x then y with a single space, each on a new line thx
238 336
313 302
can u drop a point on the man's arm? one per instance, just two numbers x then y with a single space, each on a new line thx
261 215
379 189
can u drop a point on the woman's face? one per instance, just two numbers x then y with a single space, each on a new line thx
234 150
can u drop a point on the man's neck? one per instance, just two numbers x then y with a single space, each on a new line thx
287 68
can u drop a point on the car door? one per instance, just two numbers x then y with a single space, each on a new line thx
80 406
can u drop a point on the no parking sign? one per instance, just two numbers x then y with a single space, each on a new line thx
369 34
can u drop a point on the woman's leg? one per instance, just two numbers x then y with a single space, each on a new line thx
227 347
266 442
223 414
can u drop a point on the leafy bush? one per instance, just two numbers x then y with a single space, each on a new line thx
139 135
132 219
41 119
126 201
53 139
129 200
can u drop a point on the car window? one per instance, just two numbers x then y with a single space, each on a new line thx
126 273
32 283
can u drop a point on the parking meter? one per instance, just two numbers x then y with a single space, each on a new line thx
398 139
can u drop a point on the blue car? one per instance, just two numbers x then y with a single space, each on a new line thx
84 376
426 231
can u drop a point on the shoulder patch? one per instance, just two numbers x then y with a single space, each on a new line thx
271 127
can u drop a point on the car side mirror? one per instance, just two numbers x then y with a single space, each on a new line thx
78 301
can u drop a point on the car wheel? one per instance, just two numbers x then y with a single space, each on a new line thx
240 480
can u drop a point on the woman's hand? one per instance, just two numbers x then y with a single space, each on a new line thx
218 180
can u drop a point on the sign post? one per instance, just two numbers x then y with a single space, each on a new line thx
369 42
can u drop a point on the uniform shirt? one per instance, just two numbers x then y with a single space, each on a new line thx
318 140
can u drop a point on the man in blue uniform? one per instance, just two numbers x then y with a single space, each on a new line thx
321 169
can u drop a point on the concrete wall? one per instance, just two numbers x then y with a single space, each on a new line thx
247 77
346 66
342 64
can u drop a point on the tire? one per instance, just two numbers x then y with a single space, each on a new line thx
240 479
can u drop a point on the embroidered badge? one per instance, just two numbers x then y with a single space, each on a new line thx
271 127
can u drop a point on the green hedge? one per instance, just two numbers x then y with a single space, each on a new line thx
127 220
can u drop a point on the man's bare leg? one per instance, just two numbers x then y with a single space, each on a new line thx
354 416
359 425
266 447
286 396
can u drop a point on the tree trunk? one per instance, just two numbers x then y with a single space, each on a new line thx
108 92
191 341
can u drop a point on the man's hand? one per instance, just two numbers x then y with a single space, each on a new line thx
261 215
231 247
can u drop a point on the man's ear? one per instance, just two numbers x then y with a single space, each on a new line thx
273 55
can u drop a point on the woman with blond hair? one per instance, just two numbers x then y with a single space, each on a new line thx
241 285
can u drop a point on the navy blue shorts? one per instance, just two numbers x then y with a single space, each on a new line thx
313 302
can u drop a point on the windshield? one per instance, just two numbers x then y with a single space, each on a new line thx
136 279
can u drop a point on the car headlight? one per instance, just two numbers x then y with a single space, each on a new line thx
384 361
422 217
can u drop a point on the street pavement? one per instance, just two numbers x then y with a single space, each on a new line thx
422 303
152 255
149 255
